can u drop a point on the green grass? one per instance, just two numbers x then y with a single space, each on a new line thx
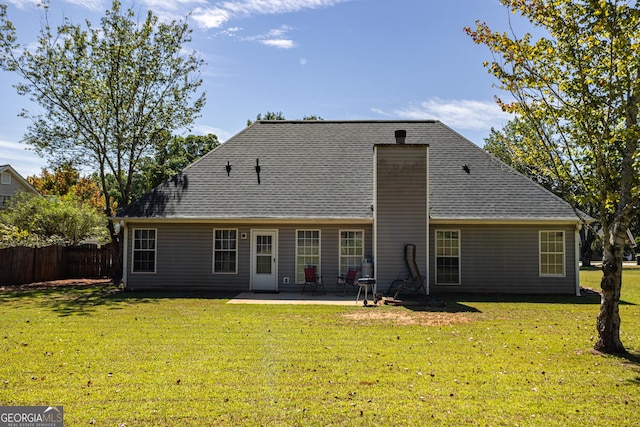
166 359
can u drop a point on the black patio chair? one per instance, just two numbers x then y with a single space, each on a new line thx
412 281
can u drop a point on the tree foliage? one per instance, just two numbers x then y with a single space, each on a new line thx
270 115
579 87
108 95
65 181
511 145
172 158
31 220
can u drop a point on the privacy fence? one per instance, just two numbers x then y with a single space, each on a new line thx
22 265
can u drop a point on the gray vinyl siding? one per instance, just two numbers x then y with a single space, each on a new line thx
184 256
13 187
504 259
400 209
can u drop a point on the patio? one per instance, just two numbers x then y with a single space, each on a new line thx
294 298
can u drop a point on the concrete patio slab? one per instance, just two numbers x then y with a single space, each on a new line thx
293 298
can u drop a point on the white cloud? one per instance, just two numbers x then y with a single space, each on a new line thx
273 7
222 12
25 162
172 4
275 38
222 134
279 43
279 32
211 17
458 113
233 30
95 5
24 4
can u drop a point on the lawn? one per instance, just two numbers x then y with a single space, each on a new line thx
154 359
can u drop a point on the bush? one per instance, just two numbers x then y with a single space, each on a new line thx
34 220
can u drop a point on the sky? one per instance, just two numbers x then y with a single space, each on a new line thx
337 59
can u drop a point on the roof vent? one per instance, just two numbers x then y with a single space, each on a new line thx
401 136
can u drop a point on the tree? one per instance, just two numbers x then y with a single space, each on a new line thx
312 117
512 144
270 115
49 220
579 88
172 158
65 181
108 95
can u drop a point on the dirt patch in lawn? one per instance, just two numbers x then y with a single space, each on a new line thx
404 318
57 284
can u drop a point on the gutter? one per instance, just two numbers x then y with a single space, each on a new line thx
236 220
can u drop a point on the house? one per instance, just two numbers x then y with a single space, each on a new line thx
281 195
12 182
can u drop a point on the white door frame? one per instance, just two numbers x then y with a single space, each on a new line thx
269 283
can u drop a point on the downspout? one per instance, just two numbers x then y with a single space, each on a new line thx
577 257
428 272
125 251
374 207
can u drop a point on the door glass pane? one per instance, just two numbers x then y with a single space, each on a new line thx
263 254
263 264
263 245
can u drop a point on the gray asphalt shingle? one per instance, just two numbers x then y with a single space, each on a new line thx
324 170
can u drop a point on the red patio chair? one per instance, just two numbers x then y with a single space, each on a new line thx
348 280
312 279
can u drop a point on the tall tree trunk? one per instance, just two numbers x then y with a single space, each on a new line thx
117 254
608 322
587 237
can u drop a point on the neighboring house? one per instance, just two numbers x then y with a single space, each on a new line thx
11 182
281 195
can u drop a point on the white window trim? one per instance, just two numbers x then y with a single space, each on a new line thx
319 268
564 254
5 178
133 251
435 244
364 244
213 255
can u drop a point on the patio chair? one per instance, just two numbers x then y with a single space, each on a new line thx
312 279
413 280
348 280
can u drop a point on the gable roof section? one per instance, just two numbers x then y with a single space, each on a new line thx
18 177
315 170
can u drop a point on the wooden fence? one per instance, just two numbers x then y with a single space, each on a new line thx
20 265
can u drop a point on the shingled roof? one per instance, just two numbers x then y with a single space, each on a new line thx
315 170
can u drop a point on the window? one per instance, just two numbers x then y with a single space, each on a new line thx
351 250
5 178
552 253
264 254
225 251
4 200
307 252
144 250
447 257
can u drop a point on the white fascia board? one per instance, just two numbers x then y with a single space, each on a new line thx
238 220
506 221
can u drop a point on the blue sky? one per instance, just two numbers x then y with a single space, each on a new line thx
338 59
